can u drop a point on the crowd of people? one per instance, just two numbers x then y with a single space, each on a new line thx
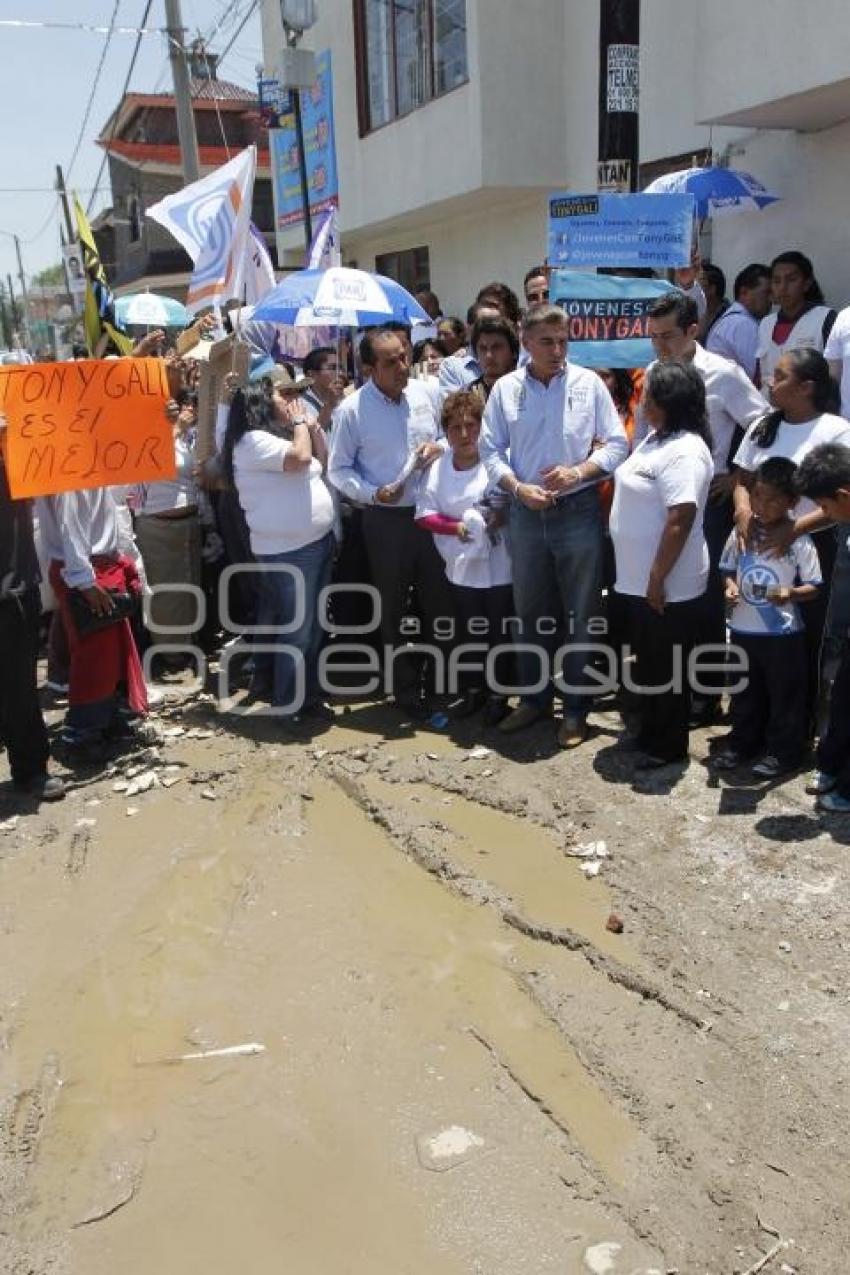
471 524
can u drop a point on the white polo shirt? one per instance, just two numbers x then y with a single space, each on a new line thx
731 400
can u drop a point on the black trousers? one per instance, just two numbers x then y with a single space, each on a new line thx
21 723
833 753
814 617
475 608
771 713
410 576
662 645
716 527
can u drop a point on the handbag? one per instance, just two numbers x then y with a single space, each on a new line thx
87 621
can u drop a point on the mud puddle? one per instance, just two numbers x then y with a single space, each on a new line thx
520 859
389 1011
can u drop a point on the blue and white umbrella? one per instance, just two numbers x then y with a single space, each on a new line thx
149 310
338 297
717 191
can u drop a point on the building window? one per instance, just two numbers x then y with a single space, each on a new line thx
411 268
407 52
134 218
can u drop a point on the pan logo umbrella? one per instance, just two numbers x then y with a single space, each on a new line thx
716 191
339 297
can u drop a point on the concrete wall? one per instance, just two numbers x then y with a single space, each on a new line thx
467 175
811 173
754 51
467 251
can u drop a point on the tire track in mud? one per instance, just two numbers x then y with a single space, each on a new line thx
698 1195
476 890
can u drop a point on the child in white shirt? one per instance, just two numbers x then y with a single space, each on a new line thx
770 713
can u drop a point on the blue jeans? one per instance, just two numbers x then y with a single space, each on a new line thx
557 569
277 609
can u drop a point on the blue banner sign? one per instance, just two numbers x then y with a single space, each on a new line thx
620 231
607 316
317 115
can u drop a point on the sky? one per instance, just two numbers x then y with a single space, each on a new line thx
47 78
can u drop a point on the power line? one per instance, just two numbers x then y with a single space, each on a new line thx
41 190
44 225
238 31
79 26
118 107
94 86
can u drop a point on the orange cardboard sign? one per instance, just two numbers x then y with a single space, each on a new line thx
89 423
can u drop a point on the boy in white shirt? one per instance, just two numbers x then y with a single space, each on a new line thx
770 712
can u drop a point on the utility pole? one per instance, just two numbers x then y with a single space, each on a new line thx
13 307
66 208
182 93
4 319
26 322
295 96
619 95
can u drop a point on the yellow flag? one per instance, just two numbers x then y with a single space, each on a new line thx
99 310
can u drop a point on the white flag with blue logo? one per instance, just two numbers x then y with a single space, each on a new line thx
325 248
211 219
259 271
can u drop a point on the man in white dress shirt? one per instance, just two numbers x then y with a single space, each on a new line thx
377 436
551 433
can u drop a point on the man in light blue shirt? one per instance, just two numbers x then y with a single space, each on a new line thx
382 437
551 433
735 334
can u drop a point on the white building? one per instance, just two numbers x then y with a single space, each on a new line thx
456 118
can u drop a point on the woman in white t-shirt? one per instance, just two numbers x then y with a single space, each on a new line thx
804 397
467 518
662 558
802 320
275 454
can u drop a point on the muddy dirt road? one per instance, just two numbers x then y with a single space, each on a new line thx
447 1063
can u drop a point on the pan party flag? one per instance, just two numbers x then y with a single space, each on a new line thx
99 309
211 219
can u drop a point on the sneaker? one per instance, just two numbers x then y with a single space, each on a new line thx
727 759
495 710
467 704
572 732
770 767
523 716
44 787
821 783
834 804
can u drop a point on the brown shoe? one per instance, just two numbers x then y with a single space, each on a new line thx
522 716
572 732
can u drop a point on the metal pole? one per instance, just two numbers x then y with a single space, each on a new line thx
302 167
295 97
26 322
182 93
619 91
66 207
4 319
